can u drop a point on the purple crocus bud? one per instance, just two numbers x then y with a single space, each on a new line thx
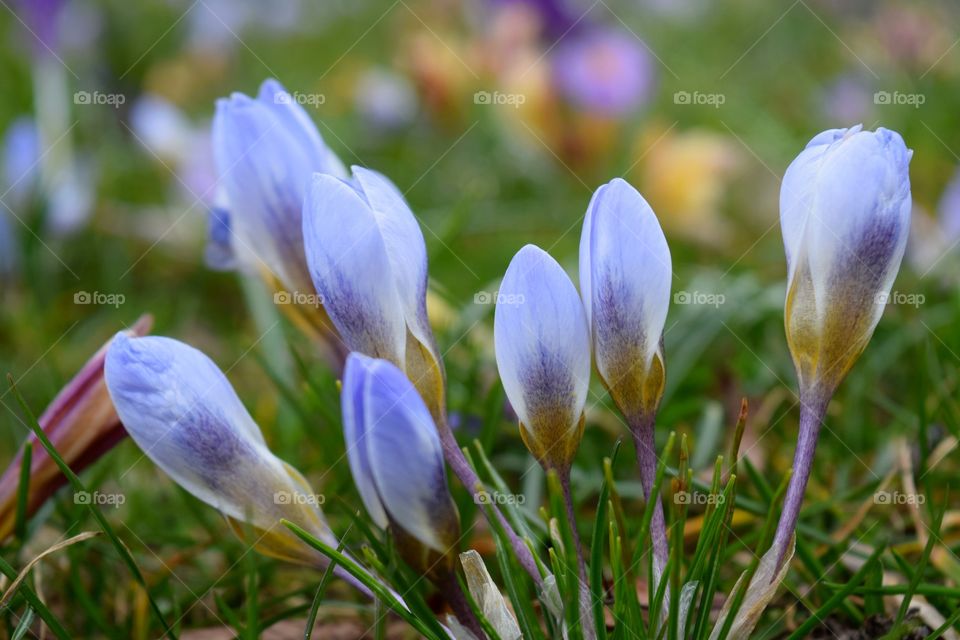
625 274
604 70
845 214
368 261
182 412
266 148
397 463
543 354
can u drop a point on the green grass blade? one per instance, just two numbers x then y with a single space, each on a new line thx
368 581
834 601
924 559
78 486
23 492
31 597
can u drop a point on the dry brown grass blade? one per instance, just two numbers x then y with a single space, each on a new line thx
30 565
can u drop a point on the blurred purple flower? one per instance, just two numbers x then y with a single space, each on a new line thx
42 19
385 99
848 99
948 210
605 70
21 161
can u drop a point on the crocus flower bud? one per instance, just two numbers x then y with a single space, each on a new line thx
266 148
625 273
182 412
625 283
543 355
845 214
368 261
397 463
82 425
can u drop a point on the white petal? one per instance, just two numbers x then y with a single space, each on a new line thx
263 170
182 412
351 269
298 124
625 262
354 430
405 247
406 457
541 337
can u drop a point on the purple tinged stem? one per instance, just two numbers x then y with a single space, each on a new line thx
586 609
463 470
813 407
642 430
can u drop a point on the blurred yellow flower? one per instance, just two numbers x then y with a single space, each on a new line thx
685 175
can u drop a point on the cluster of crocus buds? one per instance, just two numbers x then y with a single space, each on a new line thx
294 215
545 333
368 260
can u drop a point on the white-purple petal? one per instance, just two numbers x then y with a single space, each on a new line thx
181 411
541 339
625 275
354 430
406 458
351 269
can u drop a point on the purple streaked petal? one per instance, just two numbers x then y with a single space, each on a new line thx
542 341
405 249
406 458
351 270
182 412
357 370
625 275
